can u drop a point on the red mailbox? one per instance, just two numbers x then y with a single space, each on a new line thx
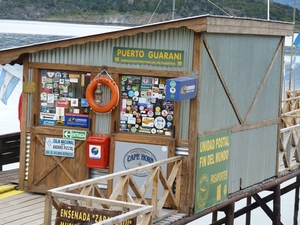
97 151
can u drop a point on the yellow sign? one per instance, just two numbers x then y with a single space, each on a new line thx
72 215
29 87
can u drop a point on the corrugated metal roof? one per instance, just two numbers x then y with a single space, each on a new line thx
204 23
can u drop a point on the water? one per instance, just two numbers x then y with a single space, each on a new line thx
17 33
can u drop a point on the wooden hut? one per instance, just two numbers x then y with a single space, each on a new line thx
205 87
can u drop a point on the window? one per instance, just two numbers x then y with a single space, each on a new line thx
143 106
63 100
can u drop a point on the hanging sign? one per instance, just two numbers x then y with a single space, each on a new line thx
71 214
181 88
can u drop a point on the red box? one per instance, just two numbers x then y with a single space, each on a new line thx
97 151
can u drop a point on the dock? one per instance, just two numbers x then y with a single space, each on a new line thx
18 207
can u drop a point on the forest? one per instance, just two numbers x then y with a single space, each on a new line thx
66 10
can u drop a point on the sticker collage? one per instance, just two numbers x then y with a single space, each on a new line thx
63 100
144 107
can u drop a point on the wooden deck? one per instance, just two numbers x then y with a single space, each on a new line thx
22 207
28 208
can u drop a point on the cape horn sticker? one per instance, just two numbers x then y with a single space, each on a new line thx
138 157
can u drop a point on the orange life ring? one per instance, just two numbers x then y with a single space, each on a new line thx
114 95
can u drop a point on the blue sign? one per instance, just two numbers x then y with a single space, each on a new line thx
181 88
77 120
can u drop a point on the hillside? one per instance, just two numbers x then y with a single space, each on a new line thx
136 12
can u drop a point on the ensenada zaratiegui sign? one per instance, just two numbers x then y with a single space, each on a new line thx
212 170
155 57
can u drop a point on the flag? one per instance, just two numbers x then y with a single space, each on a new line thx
8 83
297 41
293 65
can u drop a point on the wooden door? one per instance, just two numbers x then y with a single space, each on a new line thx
50 171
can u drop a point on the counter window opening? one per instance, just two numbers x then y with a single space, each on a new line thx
62 98
143 106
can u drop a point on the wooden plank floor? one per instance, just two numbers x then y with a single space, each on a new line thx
23 208
9 177
28 208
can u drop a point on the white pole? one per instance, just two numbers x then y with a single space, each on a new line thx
268 16
173 11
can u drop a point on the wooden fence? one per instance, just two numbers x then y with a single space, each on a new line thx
9 149
126 195
289 155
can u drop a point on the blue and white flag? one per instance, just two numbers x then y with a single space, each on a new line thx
293 65
8 83
297 41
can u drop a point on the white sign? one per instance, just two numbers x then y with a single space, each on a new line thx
59 147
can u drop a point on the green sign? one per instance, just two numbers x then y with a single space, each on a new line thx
212 170
155 57
74 134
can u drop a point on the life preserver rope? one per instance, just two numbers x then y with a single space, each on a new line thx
114 94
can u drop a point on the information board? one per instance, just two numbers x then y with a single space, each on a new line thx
212 170
59 147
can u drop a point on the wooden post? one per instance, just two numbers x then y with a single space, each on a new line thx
296 204
48 210
248 214
229 211
214 216
276 205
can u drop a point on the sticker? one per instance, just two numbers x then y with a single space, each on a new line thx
159 122
154 80
147 121
169 117
164 113
44 96
133 129
150 113
67 82
153 131
64 75
50 98
131 120
84 102
172 83
50 74
136 93
168 133
146 80
130 94
74 102
172 90
44 73
58 74
60 111
76 111
73 80
164 148
62 103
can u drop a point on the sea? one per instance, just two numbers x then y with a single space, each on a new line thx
15 33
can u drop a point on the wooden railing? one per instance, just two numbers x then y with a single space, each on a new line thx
126 194
289 155
9 149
